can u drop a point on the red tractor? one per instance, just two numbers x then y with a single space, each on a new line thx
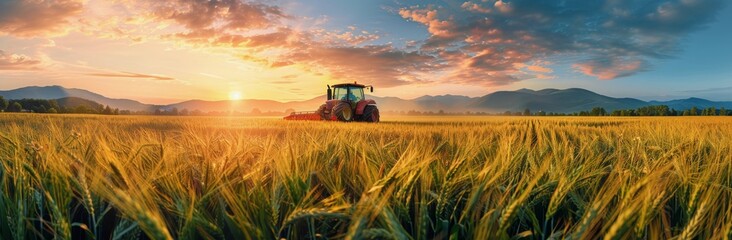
346 102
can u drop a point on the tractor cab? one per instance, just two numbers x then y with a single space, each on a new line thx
350 92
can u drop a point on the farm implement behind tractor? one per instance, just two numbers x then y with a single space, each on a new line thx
345 102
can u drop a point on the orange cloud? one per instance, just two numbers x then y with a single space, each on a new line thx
29 18
536 68
382 65
502 6
610 68
475 53
480 43
473 7
335 53
17 62
348 38
131 75
428 17
200 14
485 43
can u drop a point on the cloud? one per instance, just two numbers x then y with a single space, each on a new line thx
351 38
132 75
474 7
382 65
482 42
486 43
142 20
204 14
540 69
503 6
341 55
607 68
232 15
429 17
29 18
10 61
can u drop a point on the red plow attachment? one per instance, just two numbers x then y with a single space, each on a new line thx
312 116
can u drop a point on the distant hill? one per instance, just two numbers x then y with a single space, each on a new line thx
553 100
548 100
57 92
692 102
74 102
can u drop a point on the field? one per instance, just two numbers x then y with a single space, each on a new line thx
122 177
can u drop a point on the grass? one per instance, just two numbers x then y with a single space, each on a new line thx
116 177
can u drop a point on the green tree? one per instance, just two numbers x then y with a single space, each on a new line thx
3 104
15 107
598 111
662 110
81 109
107 110
527 112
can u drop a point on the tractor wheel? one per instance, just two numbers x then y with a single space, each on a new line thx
343 112
321 112
370 114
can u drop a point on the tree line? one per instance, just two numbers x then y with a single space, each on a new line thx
654 110
53 106
663 110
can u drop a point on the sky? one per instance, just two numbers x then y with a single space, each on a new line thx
169 51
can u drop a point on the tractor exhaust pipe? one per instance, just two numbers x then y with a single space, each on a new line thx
329 93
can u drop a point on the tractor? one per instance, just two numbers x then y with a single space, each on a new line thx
345 102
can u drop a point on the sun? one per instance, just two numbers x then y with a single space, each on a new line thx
235 95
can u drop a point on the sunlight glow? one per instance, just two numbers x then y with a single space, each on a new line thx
235 95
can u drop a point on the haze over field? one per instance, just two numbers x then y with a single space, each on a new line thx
164 52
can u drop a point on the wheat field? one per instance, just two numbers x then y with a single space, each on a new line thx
131 177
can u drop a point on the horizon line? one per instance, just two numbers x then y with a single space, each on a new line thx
311 98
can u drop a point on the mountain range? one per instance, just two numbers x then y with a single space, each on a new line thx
548 100
58 92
